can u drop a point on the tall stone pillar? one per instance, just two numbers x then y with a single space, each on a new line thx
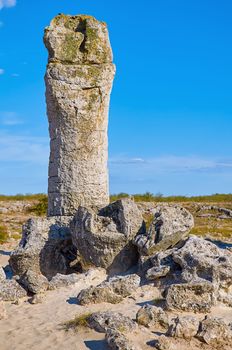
78 80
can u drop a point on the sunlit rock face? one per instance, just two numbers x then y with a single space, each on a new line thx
78 80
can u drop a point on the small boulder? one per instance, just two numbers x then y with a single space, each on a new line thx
117 340
195 296
10 290
101 321
183 327
60 280
34 282
45 248
164 343
112 291
150 315
214 331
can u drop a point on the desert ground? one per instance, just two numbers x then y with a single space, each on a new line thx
42 326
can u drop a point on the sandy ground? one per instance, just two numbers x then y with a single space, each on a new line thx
39 327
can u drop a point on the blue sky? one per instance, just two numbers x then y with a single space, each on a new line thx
171 112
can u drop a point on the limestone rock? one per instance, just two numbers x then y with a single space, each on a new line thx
195 296
214 331
2 310
112 291
10 290
164 343
150 315
157 272
117 340
34 282
183 327
126 215
203 259
101 321
225 297
78 79
171 224
60 280
105 239
46 247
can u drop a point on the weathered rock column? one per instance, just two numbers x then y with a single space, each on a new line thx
79 80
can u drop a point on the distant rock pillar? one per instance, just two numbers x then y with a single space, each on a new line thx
78 80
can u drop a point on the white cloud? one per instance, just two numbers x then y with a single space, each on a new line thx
2 71
23 148
10 118
7 3
170 163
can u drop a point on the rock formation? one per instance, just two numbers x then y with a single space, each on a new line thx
46 247
112 291
104 238
78 84
170 224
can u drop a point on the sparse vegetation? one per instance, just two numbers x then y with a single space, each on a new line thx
22 197
40 208
148 219
80 321
3 233
146 197
150 197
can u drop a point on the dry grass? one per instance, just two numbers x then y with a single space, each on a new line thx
80 321
3 233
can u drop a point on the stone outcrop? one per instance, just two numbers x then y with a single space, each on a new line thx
60 280
45 249
78 79
10 290
112 291
116 340
34 282
195 296
183 327
101 321
150 315
214 331
104 238
171 224
164 343
203 259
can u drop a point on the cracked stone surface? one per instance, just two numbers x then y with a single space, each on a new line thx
78 80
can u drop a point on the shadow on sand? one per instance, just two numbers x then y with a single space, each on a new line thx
96 345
